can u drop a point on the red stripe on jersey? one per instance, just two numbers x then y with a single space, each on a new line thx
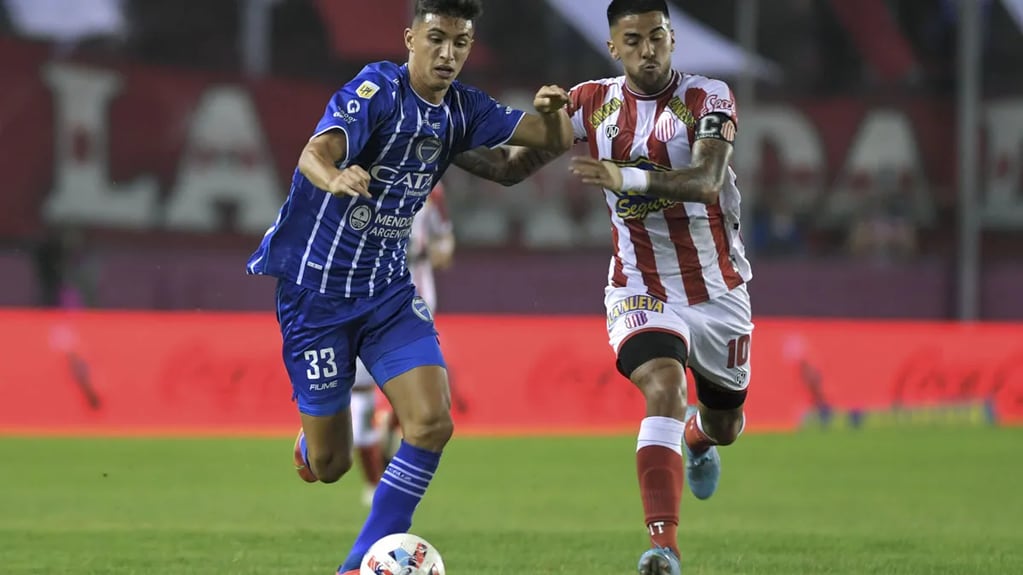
621 145
695 99
717 229
586 99
645 262
618 277
678 227
621 150
688 257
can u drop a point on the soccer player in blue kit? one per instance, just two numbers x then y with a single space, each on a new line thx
338 249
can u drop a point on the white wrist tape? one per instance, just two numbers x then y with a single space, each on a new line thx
635 180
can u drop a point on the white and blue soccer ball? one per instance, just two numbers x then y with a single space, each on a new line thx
402 554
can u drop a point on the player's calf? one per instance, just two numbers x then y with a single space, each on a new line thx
422 402
328 444
720 419
328 466
722 426
655 363
662 382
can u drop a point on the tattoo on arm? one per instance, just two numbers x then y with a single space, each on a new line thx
524 162
506 165
486 163
702 181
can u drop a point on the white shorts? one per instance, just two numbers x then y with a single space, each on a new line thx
717 333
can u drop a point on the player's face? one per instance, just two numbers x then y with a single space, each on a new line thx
438 47
644 43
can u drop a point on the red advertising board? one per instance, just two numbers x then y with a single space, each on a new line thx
210 373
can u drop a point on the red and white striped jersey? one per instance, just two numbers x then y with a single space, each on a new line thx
683 252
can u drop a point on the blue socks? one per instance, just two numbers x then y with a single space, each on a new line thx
402 487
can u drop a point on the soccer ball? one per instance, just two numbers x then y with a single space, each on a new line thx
402 554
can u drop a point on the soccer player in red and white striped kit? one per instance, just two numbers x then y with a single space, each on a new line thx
660 144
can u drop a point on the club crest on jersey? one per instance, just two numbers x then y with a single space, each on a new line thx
664 129
360 218
740 376
636 205
636 319
611 130
429 149
367 89
421 309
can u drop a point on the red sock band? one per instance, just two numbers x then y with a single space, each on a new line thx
660 485
695 438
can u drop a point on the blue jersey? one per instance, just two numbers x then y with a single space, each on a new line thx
354 247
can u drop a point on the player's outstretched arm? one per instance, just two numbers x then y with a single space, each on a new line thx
551 129
701 182
506 165
537 140
318 163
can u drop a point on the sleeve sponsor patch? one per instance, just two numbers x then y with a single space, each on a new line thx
367 89
715 103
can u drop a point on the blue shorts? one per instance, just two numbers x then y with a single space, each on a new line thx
392 332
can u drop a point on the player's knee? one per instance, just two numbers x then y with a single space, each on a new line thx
724 426
722 417
664 392
329 467
429 431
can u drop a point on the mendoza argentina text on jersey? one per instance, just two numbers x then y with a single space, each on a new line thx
354 247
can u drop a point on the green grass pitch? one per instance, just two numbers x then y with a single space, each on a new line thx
935 501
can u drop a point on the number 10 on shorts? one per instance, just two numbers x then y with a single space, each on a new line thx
738 351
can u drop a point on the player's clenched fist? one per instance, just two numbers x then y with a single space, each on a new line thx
352 181
550 99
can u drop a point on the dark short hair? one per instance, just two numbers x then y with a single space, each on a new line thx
464 9
620 8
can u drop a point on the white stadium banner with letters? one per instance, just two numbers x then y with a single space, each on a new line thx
706 52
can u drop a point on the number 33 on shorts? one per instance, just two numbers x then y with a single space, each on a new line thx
322 366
